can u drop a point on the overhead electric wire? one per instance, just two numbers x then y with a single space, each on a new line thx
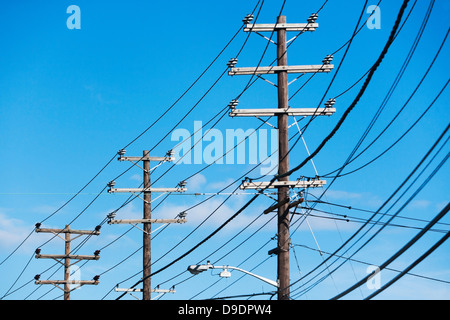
185 94
392 121
282 7
347 218
388 200
60 208
392 88
136 138
358 97
411 266
324 142
371 264
349 42
416 238
193 84
371 211
425 20
362 77
241 50
395 142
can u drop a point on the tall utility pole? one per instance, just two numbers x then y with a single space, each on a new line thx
283 164
282 113
147 257
67 257
147 215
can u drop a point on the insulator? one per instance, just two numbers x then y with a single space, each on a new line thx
182 183
111 216
182 215
232 63
111 184
233 104
248 18
327 59
312 18
330 103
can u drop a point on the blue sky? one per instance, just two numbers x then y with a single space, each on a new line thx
70 99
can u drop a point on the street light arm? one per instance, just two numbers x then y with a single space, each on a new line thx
271 282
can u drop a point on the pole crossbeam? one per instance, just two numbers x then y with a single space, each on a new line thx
281 69
135 221
303 112
267 27
278 184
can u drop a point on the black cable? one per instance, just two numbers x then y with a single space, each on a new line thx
371 264
199 244
349 42
399 252
362 77
411 266
60 208
370 211
157 120
394 143
358 97
358 230
398 211
373 69
23 270
347 218
386 99
376 65
192 85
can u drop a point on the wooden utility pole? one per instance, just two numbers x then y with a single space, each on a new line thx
147 257
147 215
67 257
67 266
283 165
282 113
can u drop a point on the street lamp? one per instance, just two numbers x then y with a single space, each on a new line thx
199 268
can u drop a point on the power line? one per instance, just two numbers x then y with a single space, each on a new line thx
371 264
411 266
374 68
349 160
441 214
390 198
142 133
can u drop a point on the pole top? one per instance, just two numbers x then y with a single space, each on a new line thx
281 19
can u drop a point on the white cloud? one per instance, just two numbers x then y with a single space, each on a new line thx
137 177
13 231
196 183
129 212
213 214
345 195
219 185
420 204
